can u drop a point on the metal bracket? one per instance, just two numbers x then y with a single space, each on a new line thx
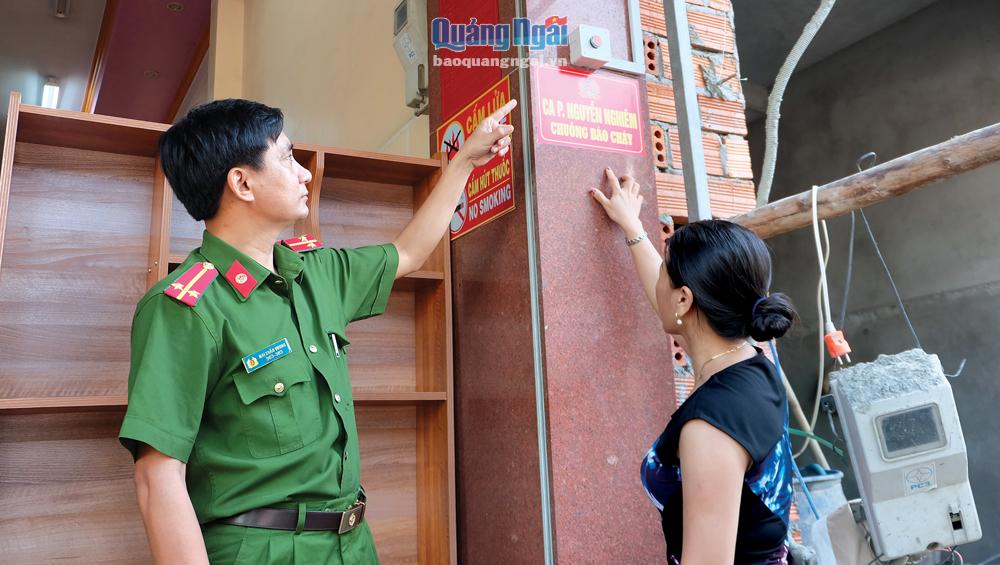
635 65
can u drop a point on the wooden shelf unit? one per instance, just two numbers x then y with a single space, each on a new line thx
55 404
88 223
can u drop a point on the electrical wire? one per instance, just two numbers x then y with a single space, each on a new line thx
873 157
892 283
825 443
822 264
850 271
952 555
822 312
870 158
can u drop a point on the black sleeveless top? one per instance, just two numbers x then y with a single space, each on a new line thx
746 401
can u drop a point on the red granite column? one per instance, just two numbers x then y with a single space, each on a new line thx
605 360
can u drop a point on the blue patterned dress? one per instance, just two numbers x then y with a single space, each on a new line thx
746 401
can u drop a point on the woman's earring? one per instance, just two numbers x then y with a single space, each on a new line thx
680 322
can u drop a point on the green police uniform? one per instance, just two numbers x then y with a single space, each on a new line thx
246 382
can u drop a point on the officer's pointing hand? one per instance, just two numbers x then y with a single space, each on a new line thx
490 138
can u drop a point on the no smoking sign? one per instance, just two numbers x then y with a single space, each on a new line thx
489 193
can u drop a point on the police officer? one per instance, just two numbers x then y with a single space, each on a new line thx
240 415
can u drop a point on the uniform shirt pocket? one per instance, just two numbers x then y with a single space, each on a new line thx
279 408
339 342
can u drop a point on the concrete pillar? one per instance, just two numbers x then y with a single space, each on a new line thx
563 372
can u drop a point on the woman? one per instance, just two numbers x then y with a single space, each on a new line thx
729 439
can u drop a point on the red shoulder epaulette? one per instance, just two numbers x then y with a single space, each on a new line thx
189 287
302 243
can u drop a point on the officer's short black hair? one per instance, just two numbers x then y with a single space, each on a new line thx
198 151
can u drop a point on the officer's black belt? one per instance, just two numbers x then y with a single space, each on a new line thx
288 519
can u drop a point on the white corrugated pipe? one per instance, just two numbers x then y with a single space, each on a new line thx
778 91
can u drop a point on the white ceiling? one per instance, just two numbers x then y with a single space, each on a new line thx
35 44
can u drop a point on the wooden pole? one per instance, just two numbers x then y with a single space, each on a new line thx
893 178
803 421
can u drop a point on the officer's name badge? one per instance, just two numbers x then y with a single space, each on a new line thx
269 354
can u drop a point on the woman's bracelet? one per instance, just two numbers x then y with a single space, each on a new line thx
636 239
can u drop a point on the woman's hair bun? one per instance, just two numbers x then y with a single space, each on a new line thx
772 317
727 269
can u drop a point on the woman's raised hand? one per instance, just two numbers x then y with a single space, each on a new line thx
624 204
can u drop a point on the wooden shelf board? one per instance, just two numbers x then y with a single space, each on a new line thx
303 151
426 275
62 128
377 167
418 279
397 398
86 403
61 404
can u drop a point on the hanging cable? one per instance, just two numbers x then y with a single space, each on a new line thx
864 162
822 307
828 334
892 283
827 317
850 270
824 258
834 340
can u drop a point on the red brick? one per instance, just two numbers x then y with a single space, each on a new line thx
665 57
731 197
738 163
683 383
717 115
722 5
726 70
674 136
652 61
651 17
711 31
670 197
661 102
683 375
722 116
711 146
659 141
727 197
667 230
651 14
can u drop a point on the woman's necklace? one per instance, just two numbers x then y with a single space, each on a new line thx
717 355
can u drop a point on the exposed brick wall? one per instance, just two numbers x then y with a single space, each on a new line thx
720 101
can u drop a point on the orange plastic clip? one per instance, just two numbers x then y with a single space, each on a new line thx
836 345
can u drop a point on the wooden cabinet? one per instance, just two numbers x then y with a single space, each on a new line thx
87 224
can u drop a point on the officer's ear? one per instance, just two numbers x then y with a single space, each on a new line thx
237 183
